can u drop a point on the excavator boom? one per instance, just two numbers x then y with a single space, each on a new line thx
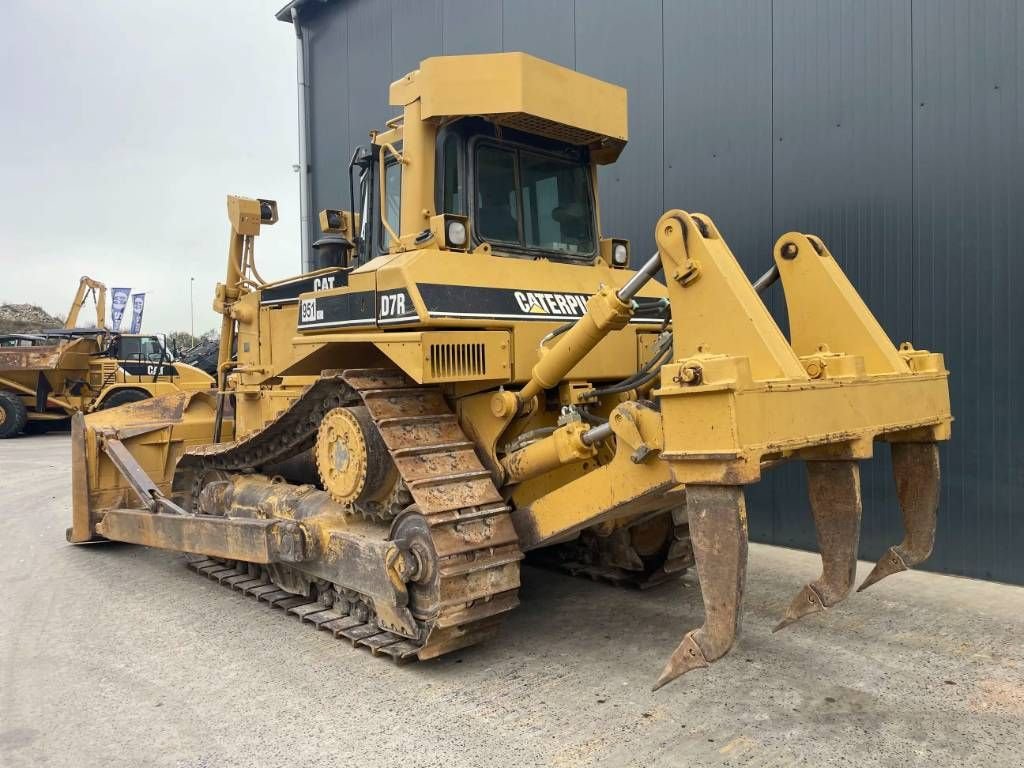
98 291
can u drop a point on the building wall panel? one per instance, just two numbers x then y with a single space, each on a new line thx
968 181
622 43
892 128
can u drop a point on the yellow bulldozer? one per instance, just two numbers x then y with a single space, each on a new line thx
50 375
477 372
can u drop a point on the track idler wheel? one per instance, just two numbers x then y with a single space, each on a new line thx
834 488
916 469
718 532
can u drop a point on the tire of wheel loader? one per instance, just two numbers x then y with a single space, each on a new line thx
123 397
13 415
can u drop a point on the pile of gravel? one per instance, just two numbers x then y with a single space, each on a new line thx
26 318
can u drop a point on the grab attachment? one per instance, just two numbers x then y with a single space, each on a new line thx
916 469
834 489
718 533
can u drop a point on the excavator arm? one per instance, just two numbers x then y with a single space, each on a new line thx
88 287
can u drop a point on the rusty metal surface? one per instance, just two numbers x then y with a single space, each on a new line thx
718 533
915 466
337 620
81 529
253 540
834 488
145 415
32 358
468 553
468 523
644 554
147 491
354 465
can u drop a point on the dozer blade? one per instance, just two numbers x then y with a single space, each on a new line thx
916 469
834 489
718 532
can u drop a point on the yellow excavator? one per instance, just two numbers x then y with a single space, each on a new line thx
477 372
49 375
88 288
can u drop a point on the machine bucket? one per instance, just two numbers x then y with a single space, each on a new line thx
834 489
718 533
916 469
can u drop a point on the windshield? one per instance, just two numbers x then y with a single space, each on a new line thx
533 200
141 348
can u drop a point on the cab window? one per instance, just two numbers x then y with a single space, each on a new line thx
140 348
393 203
534 200
497 203
453 197
556 204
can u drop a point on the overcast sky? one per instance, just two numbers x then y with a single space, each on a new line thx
125 124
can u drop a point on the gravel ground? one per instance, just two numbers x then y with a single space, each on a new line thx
113 655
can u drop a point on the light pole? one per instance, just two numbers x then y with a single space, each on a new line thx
192 310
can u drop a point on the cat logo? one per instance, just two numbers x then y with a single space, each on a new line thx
323 283
564 304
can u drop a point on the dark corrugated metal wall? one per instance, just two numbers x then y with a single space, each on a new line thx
893 129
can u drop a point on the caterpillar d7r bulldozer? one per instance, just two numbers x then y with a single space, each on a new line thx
475 372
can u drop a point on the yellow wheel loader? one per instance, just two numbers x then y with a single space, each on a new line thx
476 372
50 375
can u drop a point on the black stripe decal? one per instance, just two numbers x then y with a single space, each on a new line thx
288 293
134 368
341 310
457 301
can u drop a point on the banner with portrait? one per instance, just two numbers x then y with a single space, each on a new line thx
118 304
138 304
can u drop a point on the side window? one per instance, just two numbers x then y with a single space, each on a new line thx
453 198
497 206
129 348
393 203
150 348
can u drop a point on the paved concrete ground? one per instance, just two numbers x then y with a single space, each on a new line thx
115 655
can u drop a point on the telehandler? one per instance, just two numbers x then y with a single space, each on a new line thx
50 375
476 372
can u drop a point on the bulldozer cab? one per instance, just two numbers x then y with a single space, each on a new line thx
523 195
498 145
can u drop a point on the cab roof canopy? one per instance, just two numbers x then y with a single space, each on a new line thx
522 92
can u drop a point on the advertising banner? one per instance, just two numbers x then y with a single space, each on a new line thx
118 304
138 304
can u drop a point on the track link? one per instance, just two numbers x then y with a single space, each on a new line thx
469 524
339 622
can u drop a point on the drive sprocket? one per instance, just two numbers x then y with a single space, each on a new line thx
354 464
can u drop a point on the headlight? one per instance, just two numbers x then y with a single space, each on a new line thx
456 234
620 255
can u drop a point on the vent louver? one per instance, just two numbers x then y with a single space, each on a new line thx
457 361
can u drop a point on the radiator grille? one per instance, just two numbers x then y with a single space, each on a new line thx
539 125
102 375
456 361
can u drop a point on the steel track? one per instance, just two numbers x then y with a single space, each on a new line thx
469 524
